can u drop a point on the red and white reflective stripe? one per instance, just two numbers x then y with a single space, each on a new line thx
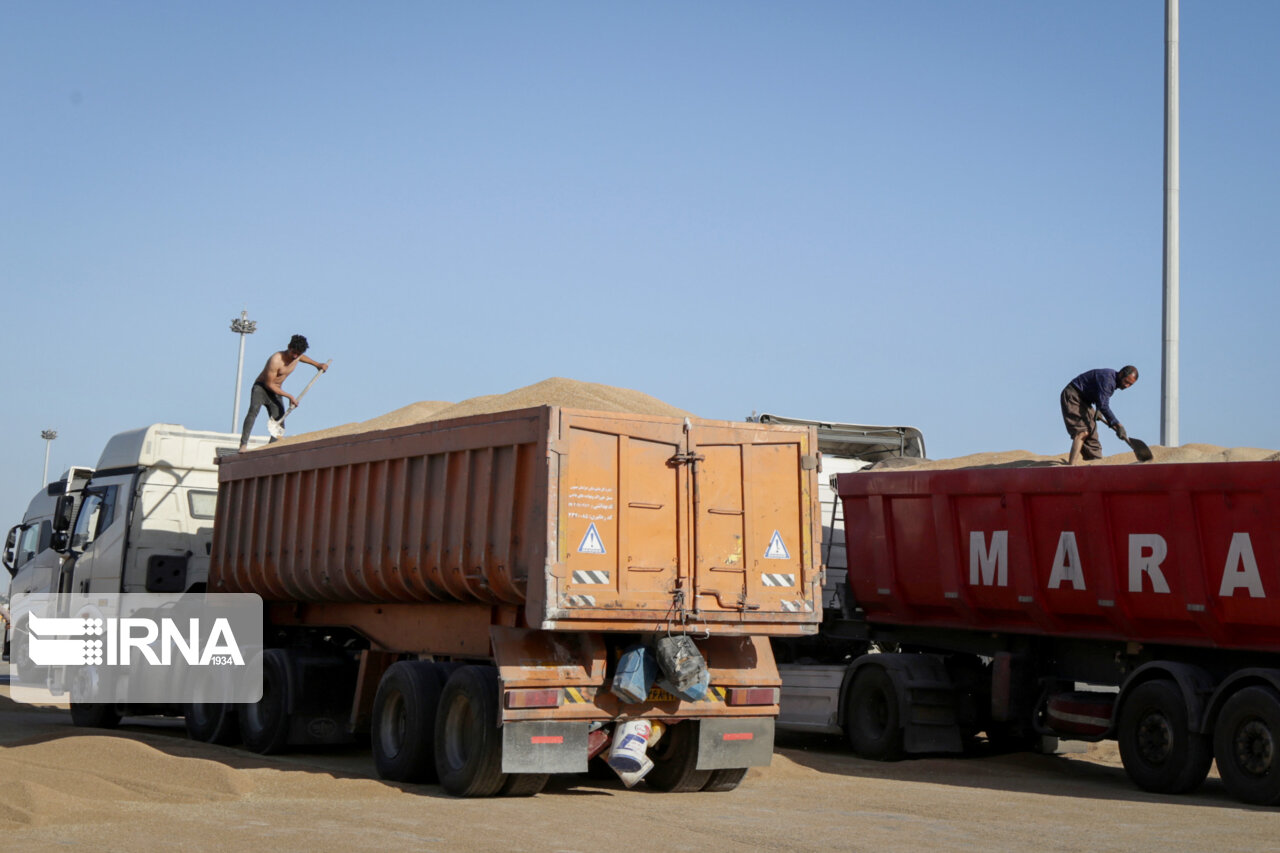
739 736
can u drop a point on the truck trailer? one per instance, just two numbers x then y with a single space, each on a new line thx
1127 602
466 591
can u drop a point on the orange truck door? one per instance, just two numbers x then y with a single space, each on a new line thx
753 521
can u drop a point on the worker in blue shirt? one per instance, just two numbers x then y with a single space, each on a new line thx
1089 391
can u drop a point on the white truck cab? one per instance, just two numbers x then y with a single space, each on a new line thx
31 562
145 520
142 521
33 565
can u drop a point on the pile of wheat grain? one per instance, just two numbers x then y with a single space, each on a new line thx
557 391
1026 459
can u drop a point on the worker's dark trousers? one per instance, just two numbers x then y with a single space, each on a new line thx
258 398
1079 417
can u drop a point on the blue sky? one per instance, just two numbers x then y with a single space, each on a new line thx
924 213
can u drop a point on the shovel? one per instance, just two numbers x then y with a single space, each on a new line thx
275 428
1141 450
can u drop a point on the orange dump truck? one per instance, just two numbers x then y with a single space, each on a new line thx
464 590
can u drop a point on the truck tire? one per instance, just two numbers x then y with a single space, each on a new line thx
468 742
212 722
872 716
1247 743
404 722
1160 752
207 718
94 715
91 715
675 761
725 780
264 725
28 672
523 784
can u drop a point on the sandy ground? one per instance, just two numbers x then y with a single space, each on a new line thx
146 787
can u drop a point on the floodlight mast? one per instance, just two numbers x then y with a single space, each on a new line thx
48 435
241 326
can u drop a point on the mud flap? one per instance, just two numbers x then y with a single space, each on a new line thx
544 747
732 743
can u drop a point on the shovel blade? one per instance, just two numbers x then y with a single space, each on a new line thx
1141 450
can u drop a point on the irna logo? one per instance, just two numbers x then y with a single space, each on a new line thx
136 648
81 641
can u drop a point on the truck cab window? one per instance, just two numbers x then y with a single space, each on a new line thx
202 503
33 539
96 515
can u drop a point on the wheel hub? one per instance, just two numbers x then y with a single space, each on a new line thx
1255 747
1155 739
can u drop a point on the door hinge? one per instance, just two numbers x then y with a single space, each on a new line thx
686 458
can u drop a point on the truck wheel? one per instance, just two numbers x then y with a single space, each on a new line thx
675 761
404 722
1160 752
91 715
524 784
873 716
94 715
207 719
725 780
468 742
212 722
1247 744
28 673
264 724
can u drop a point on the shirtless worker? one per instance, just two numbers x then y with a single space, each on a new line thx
267 388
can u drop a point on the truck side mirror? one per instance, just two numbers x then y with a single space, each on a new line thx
59 541
11 549
63 513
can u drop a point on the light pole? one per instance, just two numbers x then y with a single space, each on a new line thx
48 435
241 326
1169 355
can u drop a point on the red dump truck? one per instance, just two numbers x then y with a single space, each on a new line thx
463 590
1139 603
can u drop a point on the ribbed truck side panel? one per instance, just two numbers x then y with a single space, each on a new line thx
587 519
436 512
1177 553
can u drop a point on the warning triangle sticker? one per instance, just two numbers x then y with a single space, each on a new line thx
777 550
591 543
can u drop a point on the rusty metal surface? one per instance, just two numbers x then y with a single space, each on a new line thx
455 630
620 522
731 661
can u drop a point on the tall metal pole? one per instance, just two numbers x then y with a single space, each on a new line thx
1169 386
241 326
48 435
